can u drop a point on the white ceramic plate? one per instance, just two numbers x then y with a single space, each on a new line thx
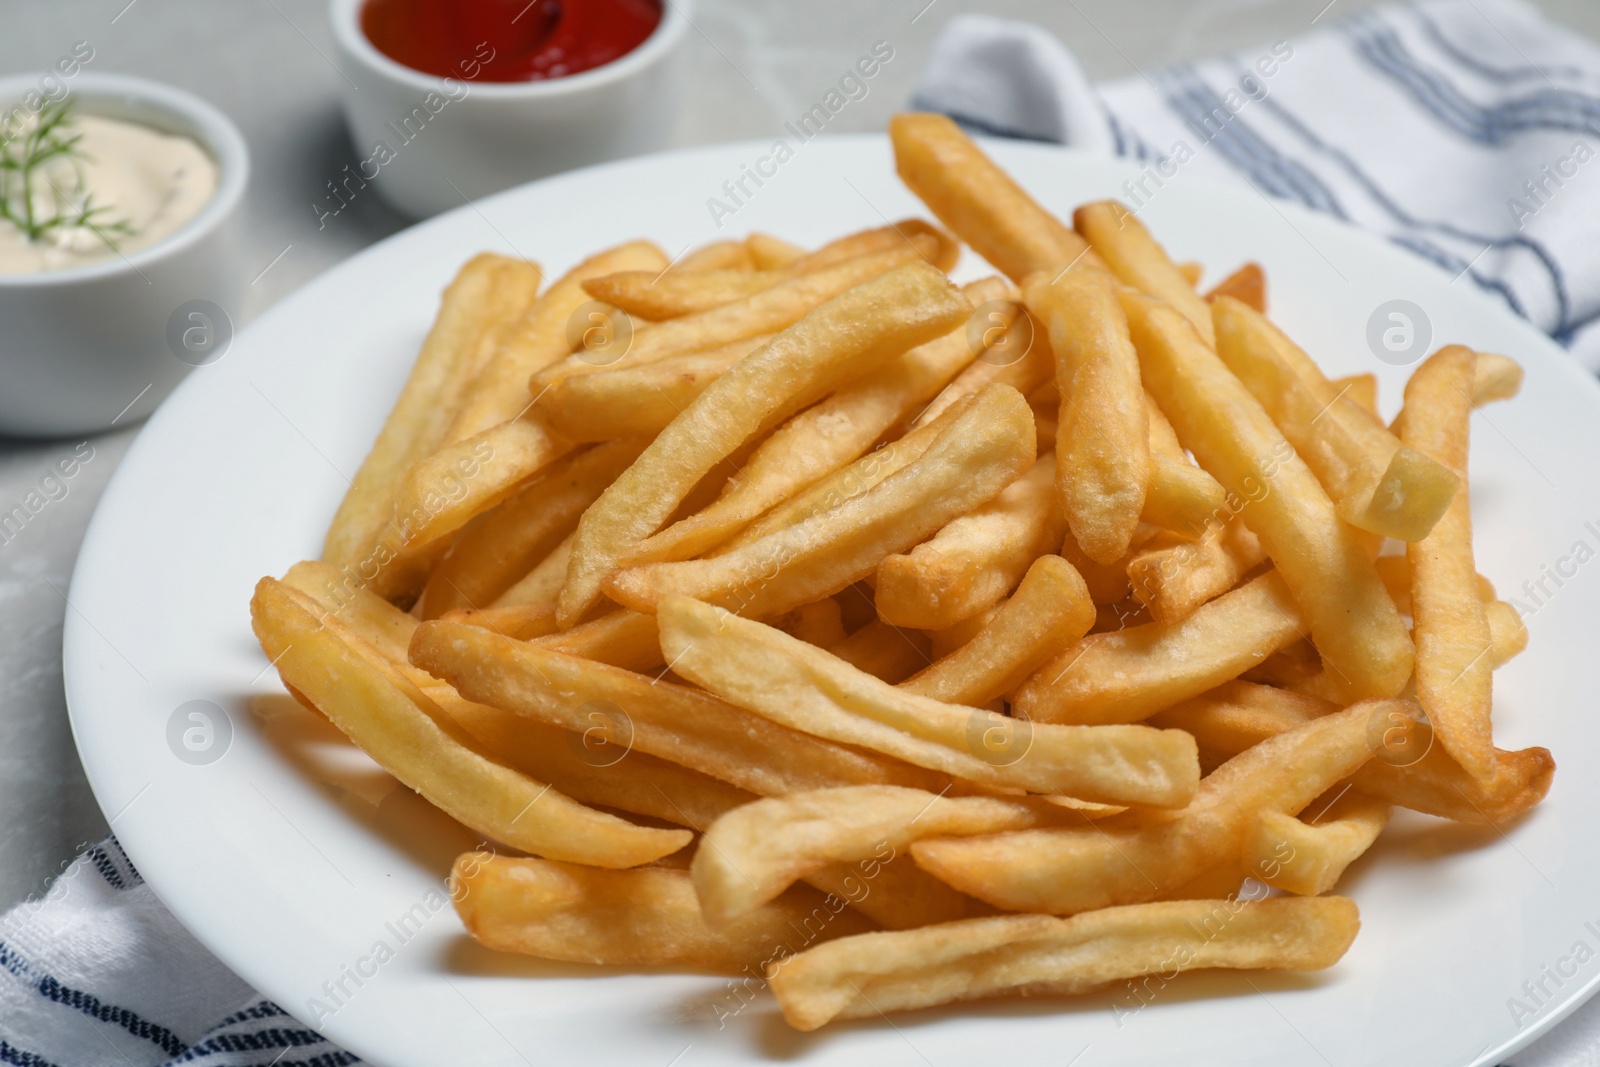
293 857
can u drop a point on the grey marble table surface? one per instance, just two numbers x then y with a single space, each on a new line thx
266 63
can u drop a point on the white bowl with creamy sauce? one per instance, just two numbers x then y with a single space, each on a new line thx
120 262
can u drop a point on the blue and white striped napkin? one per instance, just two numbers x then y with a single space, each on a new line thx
1467 131
1451 126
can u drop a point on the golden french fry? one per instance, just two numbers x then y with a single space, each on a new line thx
1396 574
637 401
1050 610
755 852
871 974
623 639
1352 620
1495 377
839 341
1360 389
634 711
1308 858
645 917
541 586
1192 271
1102 427
769 311
1377 484
808 689
977 558
942 252
1127 675
1248 285
1174 578
1125 246
984 449
1180 497
373 619
1128 859
519 621
1507 634
390 719
538 338
979 201
823 438
1237 715
654 296
942 643
1016 353
885 652
488 290
894 892
766 252
1455 673
500 546
819 623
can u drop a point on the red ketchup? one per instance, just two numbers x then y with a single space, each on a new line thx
529 40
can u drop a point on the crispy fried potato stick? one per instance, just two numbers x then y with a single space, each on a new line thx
671 721
637 401
1173 578
1360 389
978 558
623 639
819 623
839 341
1128 859
1377 484
1128 675
1248 285
885 652
868 975
1352 620
391 720
539 337
1016 353
1455 673
731 255
1236 716
769 311
753 853
1102 427
488 289
542 585
498 547
1181 497
519 621
1308 858
767 252
641 918
982 451
1050 610
793 683
979 201
1135 257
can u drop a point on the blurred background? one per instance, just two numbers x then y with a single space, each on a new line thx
269 65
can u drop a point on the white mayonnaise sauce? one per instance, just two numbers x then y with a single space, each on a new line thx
151 181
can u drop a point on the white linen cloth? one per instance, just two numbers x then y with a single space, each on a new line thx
1467 131
1420 122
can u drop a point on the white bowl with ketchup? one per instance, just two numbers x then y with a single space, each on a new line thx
455 99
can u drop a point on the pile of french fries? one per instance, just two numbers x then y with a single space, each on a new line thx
801 615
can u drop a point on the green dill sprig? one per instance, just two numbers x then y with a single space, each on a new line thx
25 150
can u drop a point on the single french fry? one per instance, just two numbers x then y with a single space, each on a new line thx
978 558
1495 377
978 455
488 289
841 340
623 639
1130 674
871 974
755 852
541 586
808 689
637 401
942 643
885 652
640 918
1050 610
819 623
1351 618
1135 257
1376 483
520 621
1192 271
1396 574
1248 285
1360 389
676 723
1238 715
1181 497
767 252
1174 578
1131 858
1016 353
1454 672
498 547
979 201
942 252
1308 858
1102 427
823 438
375 620
767 312
894 892
1508 636
390 719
